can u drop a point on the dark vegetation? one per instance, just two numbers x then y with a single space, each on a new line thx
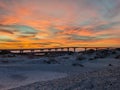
117 57
77 64
5 52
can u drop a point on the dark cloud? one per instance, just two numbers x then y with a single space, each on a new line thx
24 29
91 38
8 40
81 38
107 26
6 31
26 36
47 43
21 29
70 30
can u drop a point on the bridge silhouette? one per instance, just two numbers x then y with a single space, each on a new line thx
53 50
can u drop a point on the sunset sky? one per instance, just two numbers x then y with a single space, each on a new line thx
59 23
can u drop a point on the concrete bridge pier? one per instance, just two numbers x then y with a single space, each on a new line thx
41 50
68 49
74 49
56 49
85 49
108 48
96 49
21 51
32 51
49 50
62 49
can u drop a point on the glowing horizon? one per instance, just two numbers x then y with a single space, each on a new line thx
56 23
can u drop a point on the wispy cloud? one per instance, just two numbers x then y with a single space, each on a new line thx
60 22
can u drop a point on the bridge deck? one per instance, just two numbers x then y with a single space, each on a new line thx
54 48
58 50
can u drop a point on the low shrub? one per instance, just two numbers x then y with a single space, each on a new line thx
91 58
80 58
77 64
51 60
117 57
110 65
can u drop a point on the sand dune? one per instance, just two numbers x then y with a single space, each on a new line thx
61 70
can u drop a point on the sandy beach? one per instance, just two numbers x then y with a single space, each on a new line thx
107 79
67 72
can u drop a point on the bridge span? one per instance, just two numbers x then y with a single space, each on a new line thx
60 49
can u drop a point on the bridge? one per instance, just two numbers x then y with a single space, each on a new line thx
54 50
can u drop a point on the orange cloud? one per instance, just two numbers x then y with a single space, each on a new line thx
58 23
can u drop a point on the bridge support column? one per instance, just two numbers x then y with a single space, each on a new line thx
85 49
108 48
32 51
49 50
42 50
68 49
74 49
56 49
96 49
21 51
62 49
